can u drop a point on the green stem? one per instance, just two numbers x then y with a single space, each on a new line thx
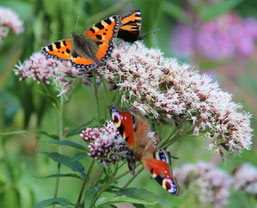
107 92
61 135
104 187
120 176
97 99
100 173
170 138
85 181
133 178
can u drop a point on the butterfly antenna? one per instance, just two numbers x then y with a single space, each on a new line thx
76 26
153 31
56 32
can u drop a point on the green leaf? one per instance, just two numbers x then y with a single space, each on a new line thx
48 202
67 161
139 205
78 130
26 196
90 195
11 198
134 196
73 175
79 156
175 11
218 9
65 142
30 132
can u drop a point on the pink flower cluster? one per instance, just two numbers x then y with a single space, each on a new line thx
47 70
162 88
226 37
9 20
210 184
245 178
106 145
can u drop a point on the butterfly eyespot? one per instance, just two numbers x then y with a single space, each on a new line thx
116 117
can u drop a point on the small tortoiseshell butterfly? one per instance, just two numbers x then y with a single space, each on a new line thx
131 26
135 129
91 47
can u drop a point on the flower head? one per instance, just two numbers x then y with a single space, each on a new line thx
210 184
106 145
48 70
9 20
165 89
245 178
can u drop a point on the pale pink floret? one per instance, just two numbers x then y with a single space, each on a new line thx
161 87
209 183
245 178
9 20
106 145
48 70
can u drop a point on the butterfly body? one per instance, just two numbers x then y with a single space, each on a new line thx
88 49
136 131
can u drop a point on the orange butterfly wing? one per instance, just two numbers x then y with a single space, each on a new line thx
103 32
95 44
60 50
131 26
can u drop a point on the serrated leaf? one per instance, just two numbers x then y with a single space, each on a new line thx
48 202
73 175
218 9
67 161
176 12
65 142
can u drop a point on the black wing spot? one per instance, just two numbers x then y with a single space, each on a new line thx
58 45
108 21
67 50
159 179
50 47
99 25
92 30
99 37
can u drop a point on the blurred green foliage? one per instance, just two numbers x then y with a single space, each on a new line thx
25 105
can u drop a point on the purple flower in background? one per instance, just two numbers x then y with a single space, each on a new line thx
245 178
209 183
226 37
9 20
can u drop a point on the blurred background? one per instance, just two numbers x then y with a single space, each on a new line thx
218 37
